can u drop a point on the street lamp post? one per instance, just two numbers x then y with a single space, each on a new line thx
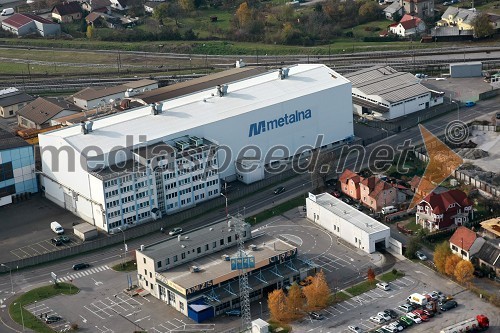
124 247
226 203
10 273
458 108
260 310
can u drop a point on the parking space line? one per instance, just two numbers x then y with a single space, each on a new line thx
334 308
93 312
43 247
330 313
407 279
354 306
368 327
113 303
154 329
401 283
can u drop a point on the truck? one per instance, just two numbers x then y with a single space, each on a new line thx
417 299
477 324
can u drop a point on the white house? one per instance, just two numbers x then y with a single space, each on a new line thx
408 26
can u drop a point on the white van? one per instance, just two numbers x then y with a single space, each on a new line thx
57 228
384 286
7 11
389 210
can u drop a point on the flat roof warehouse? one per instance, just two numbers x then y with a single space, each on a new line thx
201 108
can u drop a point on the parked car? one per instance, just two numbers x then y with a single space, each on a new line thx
234 312
358 206
421 315
396 326
421 255
355 329
448 305
389 329
347 200
81 265
175 231
406 307
384 315
56 241
478 273
383 285
416 319
402 323
316 316
336 194
470 103
498 115
407 320
377 319
391 313
279 190
52 319
64 239
429 313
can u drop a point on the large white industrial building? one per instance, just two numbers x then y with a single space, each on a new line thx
348 223
154 160
385 93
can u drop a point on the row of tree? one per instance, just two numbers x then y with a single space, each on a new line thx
452 265
286 308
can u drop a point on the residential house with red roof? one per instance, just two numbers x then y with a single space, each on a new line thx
465 243
67 12
29 24
349 184
442 210
377 193
408 26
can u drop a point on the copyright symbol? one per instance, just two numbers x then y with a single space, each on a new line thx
456 132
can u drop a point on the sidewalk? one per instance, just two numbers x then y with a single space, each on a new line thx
5 319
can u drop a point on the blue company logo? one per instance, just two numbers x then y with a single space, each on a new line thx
287 119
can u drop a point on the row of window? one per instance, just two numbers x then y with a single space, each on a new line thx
129 209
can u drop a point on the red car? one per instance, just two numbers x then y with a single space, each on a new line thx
421 314
336 194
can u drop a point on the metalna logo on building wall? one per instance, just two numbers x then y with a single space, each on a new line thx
287 119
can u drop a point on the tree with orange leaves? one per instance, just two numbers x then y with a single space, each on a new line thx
318 292
451 263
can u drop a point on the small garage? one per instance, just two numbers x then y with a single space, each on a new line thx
85 231
348 223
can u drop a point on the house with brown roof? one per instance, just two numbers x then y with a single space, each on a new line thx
102 6
29 24
465 243
38 113
349 184
12 100
377 193
90 98
67 12
490 228
438 211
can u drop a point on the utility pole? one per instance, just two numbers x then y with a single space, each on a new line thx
246 316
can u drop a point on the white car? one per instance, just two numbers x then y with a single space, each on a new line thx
355 329
421 256
377 319
395 325
414 317
406 307
384 315
383 286
388 328
175 231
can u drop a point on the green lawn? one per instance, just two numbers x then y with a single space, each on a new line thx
278 327
370 29
338 297
128 267
490 7
36 295
390 276
277 210
361 288
413 226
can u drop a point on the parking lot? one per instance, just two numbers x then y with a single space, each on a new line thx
418 279
103 307
44 246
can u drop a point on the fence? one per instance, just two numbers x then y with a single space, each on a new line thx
457 174
489 128
489 94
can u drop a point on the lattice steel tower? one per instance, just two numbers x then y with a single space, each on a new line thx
246 316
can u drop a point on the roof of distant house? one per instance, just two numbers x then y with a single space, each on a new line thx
19 20
14 98
410 24
440 202
201 83
393 8
67 8
41 109
492 225
348 174
10 141
375 185
407 17
96 93
463 237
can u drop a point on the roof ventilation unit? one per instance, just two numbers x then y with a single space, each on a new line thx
142 247
283 73
154 111
225 257
86 127
222 89
194 269
253 247
195 141
181 145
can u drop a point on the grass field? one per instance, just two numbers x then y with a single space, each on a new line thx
277 210
361 288
390 276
